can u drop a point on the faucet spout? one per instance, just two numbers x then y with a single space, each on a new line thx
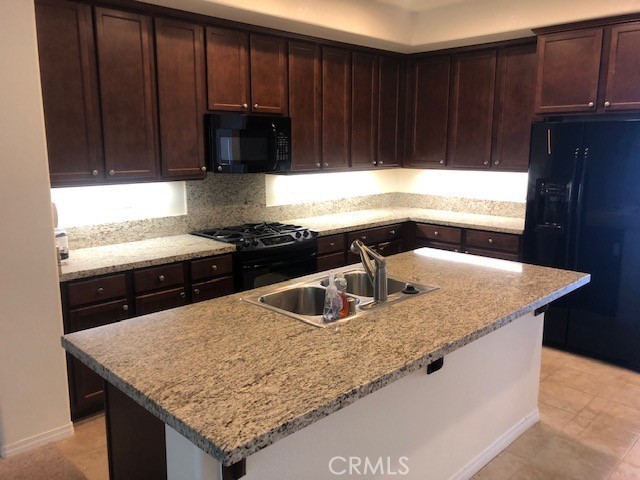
376 267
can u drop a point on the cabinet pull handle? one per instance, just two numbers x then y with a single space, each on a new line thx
255 105
125 307
161 278
95 173
590 104
100 291
548 141
196 291
607 104
214 267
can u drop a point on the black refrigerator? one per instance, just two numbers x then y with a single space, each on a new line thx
583 213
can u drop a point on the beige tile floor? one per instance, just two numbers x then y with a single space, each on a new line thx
588 430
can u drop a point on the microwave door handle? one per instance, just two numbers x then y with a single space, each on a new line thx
274 139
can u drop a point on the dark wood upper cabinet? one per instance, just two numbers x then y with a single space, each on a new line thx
389 115
622 91
364 109
430 111
305 106
568 70
127 93
227 70
268 57
181 99
471 114
336 107
513 112
69 92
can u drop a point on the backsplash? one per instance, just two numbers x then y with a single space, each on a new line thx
222 200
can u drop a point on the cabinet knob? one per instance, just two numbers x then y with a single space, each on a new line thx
326 164
219 168
486 162
607 104
363 237
392 232
255 105
374 163
100 291
196 291
332 244
590 104
95 173
318 165
380 162
381 249
203 168
436 233
456 250
214 267
466 251
125 307
161 278
491 240
497 162
441 162
112 172
182 294
244 105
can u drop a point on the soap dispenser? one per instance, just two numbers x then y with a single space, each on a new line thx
332 302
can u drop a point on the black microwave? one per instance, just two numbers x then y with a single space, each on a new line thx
238 143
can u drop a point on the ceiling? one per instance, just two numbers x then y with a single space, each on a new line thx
407 26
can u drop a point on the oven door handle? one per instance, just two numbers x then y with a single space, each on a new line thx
256 266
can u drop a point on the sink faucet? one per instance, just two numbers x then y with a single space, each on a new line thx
377 276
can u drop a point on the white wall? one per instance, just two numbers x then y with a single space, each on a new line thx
34 403
298 189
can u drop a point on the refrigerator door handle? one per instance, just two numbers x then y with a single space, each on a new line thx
579 208
549 141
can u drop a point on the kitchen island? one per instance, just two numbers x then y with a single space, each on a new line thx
233 381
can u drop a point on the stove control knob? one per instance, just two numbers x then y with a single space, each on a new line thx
298 234
255 242
306 233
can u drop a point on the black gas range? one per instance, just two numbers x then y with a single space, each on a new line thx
268 252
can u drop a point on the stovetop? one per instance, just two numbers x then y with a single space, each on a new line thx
258 236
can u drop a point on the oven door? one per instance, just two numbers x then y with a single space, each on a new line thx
273 269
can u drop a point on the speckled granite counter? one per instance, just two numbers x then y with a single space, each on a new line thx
343 222
233 377
87 262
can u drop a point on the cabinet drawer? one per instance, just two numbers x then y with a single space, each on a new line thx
439 233
97 315
376 235
493 241
493 254
211 267
212 289
451 247
332 243
154 302
389 248
334 260
97 290
158 277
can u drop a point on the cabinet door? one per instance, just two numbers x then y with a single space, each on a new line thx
97 315
472 98
364 109
336 107
127 94
69 92
622 90
181 102
568 70
163 300
513 110
390 73
227 70
269 85
430 111
305 106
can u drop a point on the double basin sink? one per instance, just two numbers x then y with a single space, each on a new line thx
305 301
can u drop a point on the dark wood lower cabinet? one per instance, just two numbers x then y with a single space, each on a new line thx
214 288
493 254
163 300
333 260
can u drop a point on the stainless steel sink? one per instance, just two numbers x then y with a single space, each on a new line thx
358 283
305 301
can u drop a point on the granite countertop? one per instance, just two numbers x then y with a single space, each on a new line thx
343 222
233 377
87 262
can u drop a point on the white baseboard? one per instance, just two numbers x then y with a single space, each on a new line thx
493 450
31 443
